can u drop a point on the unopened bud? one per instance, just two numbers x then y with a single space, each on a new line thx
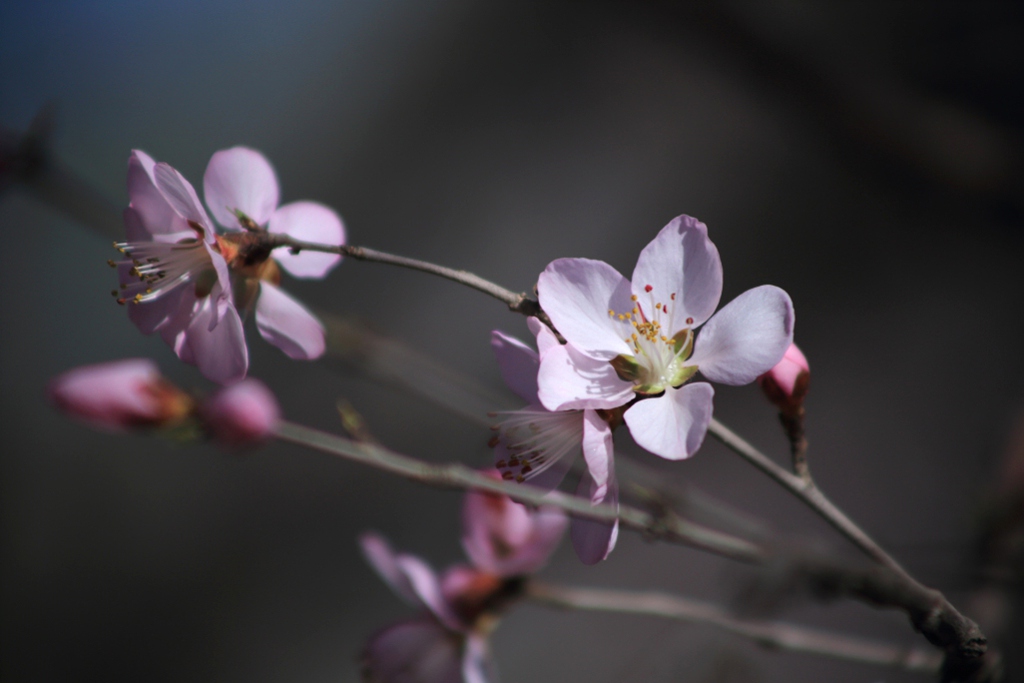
120 395
242 414
786 384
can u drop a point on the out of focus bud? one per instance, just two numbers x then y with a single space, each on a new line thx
242 414
506 538
120 395
786 384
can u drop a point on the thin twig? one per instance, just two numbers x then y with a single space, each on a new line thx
770 634
928 609
668 526
517 302
805 490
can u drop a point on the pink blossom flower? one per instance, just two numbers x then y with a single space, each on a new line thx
786 384
242 192
174 278
448 642
120 395
539 445
242 414
633 345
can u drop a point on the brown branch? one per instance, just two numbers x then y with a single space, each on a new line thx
882 586
770 634
517 302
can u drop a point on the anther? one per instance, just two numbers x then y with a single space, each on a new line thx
689 321
110 262
673 296
648 288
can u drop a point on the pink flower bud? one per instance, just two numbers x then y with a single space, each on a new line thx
242 414
786 384
120 395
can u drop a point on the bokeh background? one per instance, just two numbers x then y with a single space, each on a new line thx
866 156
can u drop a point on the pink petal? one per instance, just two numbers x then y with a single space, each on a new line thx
308 222
567 380
384 560
672 425
220 353
577 295
593 541
111 396
242 414
518 364
543 336
288 325
506 538
746 338
240 178
415 651
427 588
599 452
681 260
182 197
477 665
154 218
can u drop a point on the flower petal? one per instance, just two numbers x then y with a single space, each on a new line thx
309 222
593 540
414 651
182 197
217 348
155 219
477 665
288 325
384 560
543 335
746 338
672 425
518 364
567 380
577 294
427 588
240 178
681 261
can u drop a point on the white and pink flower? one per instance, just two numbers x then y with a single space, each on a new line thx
242 193
173 278
539 445
634 345
447 643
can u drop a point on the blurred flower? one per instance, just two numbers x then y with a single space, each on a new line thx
787 383
242 193
538 445
120 395
633 343
242 414
448 642
174 278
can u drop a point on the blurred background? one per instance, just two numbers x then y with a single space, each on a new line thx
865 156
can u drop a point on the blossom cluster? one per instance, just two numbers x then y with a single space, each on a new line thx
608 352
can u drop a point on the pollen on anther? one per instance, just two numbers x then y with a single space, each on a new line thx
110 262
633 298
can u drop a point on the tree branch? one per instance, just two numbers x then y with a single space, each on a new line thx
517 302
770 634
882 586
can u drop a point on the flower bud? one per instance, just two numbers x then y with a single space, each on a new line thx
120 395
242 414
786 384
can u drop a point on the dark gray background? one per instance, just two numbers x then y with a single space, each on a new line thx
864 156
